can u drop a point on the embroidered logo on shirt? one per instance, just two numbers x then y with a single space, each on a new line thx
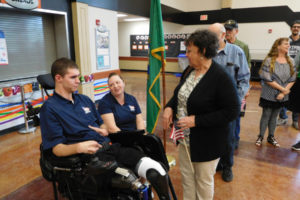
86 110
132 108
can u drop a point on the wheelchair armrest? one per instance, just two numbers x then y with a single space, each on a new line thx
50 164
66 162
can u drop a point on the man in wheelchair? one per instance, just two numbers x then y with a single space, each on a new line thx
70 125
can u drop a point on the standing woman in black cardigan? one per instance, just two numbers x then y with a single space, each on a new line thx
203 105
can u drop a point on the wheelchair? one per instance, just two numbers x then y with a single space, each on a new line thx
75 178
78 177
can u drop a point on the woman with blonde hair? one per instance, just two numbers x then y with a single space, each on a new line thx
119 110
278 76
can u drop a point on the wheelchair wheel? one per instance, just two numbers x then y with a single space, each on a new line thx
124 196
66 189
130 195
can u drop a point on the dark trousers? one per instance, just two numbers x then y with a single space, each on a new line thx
226 160
125 156
237 129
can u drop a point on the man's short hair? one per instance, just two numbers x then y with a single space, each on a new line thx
114 74
295 22
61 66
231 24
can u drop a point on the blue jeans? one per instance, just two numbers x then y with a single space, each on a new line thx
283 115
227 159
237 129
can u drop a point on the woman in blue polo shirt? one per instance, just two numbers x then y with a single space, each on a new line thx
119 110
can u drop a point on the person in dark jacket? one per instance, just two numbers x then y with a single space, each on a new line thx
204 104
294 97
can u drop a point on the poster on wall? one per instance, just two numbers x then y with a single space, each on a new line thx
11 108
139 45
3 50
174 44
102 47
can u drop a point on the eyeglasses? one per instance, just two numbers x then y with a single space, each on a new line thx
295 26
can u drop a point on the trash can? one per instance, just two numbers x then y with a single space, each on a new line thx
183 61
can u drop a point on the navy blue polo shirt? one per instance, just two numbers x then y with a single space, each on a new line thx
125 115
64 121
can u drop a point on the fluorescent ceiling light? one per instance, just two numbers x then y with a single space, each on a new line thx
135 19
121 15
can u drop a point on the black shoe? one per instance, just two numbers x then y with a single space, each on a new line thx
281 122
296 147
259 141
273 141
227 174
219 167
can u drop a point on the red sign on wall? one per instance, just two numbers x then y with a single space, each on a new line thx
203 17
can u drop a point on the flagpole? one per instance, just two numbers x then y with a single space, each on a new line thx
164 92
188 155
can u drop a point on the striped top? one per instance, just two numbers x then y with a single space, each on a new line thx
281 75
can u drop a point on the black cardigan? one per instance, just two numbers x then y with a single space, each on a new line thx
215 103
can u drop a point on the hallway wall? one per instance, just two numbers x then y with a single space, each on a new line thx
254 34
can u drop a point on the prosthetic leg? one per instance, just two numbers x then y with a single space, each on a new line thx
157 176
160 184
126 179
123 178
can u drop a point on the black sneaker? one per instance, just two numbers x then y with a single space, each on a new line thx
281 122
259 141
296 147
227 174
273 141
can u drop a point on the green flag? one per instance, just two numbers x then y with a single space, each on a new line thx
156 49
